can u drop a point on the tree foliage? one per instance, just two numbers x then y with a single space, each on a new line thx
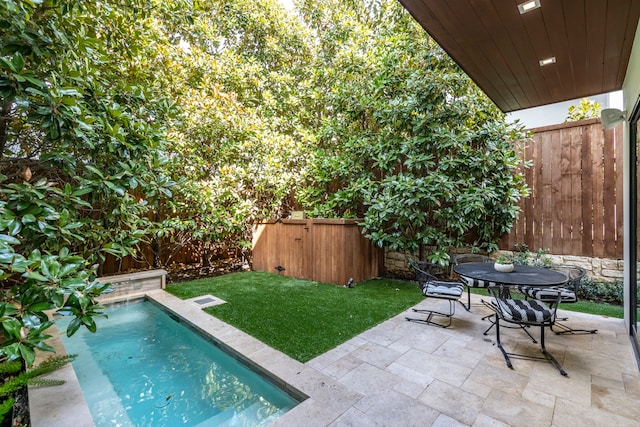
179 122
240 141
586 109
80 161
406 140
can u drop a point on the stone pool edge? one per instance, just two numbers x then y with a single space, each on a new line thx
65 406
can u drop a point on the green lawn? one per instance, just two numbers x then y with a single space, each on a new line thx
302 319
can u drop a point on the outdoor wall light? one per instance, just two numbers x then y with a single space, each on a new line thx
528 6
610 117
547 61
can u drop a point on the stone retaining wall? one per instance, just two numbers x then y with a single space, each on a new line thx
396 265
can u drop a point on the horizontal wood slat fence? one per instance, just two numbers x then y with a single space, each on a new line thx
324 250
576 178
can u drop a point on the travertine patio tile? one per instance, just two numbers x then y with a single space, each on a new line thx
614 399
326 391
399 347
343 366
516 411
354 417
367 379
607 382
410 374
277 363
389 408
425 338
577 390
486 421
479 389
376 355
337 353
452 401
435 366
600 364
309 413
499 377
454 352
481 344
567 413
632 384
539 397
381 336
409 388
447 421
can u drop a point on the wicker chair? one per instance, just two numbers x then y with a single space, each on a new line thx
431 287
568 295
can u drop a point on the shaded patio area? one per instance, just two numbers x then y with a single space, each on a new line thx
413 374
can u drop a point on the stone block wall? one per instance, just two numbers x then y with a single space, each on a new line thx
133 285
396 265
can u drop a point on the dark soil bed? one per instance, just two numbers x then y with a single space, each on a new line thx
184 272
20 410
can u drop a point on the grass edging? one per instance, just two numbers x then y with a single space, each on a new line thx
300 318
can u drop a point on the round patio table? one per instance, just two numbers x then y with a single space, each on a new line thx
522 275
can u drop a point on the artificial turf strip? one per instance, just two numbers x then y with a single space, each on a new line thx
302 319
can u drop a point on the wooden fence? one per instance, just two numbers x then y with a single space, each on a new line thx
190 254
576 179
575 208
325 250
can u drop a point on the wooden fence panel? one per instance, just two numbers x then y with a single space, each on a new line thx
587 210
325 250
576 179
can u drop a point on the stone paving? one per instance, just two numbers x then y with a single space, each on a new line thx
410 374
404 374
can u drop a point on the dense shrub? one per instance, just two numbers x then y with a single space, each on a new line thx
601 291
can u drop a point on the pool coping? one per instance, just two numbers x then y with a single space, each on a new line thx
327 399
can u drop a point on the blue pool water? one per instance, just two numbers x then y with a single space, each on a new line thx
143 368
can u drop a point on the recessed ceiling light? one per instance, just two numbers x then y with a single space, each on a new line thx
547 61
528 6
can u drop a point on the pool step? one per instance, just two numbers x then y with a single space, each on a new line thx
230 418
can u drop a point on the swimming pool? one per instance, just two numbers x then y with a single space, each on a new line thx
145 368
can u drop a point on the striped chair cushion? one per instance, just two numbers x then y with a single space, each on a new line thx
532 311
440 289
549 294
476 283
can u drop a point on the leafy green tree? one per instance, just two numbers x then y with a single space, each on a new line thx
239 75
406 140
80 159
586 109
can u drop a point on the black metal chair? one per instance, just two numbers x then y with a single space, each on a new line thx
568 295
468 281
524 313
431 287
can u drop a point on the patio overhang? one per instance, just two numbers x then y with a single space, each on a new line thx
556 51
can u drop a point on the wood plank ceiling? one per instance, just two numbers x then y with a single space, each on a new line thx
501 49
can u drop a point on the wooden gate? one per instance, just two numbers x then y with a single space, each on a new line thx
324 250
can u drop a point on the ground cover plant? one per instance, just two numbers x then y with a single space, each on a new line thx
303 319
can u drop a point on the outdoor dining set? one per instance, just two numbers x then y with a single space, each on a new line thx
519 296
